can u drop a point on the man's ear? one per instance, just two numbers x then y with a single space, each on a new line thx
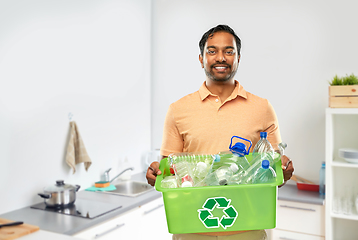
201 60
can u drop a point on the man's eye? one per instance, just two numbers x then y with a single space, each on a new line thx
230 52
211 52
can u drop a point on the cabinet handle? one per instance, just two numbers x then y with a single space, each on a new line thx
155 208
298 208
108 231
285 238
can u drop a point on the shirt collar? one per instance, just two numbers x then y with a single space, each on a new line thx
238 91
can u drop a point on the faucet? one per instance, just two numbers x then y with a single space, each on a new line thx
105 176
130 168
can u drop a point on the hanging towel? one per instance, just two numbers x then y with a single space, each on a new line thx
76 151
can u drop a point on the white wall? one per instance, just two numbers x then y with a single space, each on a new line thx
90 58
290 50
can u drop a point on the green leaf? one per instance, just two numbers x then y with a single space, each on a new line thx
347 80
350 80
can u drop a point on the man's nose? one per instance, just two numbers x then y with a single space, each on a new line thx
220 57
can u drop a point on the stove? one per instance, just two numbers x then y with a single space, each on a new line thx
81 208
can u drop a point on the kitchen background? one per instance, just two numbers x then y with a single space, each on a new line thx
116 65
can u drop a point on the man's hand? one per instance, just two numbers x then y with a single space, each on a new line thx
287 167
152 172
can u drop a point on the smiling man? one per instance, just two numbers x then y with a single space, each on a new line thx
205 121
221 56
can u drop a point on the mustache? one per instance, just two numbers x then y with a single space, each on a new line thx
220 65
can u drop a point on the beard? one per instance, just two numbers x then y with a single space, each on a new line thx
224 78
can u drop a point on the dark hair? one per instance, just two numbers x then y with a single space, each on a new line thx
219 28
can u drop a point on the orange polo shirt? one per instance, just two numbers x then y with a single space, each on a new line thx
201 123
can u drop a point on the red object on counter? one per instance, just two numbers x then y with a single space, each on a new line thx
308 187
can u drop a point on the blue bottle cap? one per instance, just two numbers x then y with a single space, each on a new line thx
239 148
263 134
265 164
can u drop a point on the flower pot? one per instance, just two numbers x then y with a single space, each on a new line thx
343 96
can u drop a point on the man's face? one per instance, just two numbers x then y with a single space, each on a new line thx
220 60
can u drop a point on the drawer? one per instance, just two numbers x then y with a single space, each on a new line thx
151 207
118 226
276 234
301 217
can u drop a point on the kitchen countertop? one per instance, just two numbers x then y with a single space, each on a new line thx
289 192
70 225
59 224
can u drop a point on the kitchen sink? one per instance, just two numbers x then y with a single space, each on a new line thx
131 188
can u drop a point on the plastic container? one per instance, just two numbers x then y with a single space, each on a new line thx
307 187
322 179
220 208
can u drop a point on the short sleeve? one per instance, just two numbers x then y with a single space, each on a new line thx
172 140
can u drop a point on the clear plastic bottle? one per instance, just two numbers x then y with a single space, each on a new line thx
264 174
199 173
236 156
200 166
182 171
322 179
263 149
169 182
281 147
221 175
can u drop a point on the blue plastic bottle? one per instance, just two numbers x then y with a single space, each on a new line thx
265 173
322 179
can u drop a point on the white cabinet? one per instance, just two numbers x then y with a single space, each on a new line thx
287 235
341 176
295 220
147 221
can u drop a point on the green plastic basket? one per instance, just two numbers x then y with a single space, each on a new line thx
220 208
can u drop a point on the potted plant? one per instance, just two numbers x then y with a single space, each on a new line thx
343 92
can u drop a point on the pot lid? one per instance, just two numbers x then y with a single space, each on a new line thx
60 186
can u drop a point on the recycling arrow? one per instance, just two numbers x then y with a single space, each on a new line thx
229 213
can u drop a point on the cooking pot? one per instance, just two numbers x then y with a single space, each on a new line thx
60 194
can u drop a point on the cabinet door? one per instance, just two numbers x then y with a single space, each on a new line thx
300 217
276 234
147 221
115 228
153 221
